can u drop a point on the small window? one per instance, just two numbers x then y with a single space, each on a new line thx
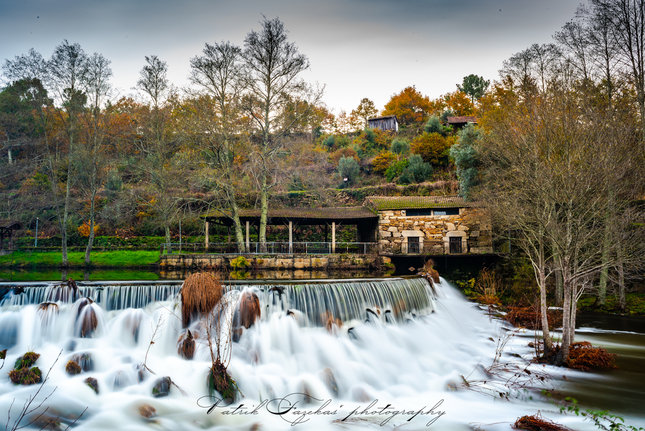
446 211
413 244
419 212
455 244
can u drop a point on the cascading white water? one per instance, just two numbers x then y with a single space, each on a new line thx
402 347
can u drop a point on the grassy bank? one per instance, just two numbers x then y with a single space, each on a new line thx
112 259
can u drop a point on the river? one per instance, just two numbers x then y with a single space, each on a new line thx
396 359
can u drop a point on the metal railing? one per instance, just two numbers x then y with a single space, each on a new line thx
273 248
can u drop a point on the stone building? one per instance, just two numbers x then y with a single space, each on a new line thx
432 225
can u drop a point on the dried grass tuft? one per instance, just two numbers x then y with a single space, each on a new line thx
530 317
583 356
537 423
72 368
200 294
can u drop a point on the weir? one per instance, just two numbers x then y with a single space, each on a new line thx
335 347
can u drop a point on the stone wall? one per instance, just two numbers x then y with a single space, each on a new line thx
280 262
472 226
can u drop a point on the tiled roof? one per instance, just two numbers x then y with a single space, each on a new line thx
383 118
10 224
338 213
382 203
453 120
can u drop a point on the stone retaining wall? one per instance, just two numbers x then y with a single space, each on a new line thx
280 262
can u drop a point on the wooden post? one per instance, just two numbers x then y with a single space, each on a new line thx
290 237
248 241
206 236
333 237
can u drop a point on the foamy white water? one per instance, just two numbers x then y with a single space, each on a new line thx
393 363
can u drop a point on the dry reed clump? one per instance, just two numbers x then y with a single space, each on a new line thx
583 356
25 376
72 368
249 309
186 345
200 294
220 381
26 360
489 287
530 317
537 423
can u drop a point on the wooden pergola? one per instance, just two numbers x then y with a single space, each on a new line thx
365 219
6 231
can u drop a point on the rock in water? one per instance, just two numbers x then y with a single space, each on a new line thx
186 345
84 360
92 383
72 368
147 411
330 381
161 387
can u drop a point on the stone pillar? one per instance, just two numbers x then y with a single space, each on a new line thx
248 241
333 237
206 236
290 237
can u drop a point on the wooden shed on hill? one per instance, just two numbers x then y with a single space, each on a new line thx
389 122
459 122
431 225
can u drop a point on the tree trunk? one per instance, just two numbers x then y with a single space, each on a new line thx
90 238
558 288
169 244
543 308
264 213
622 303
574 309
544 315
604 272
563 354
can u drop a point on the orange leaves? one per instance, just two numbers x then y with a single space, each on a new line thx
84 229
460 104
382 162
409 106
433 147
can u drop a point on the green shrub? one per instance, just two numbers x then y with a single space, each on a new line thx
417 171
348 168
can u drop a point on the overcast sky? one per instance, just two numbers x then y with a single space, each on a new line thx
357 48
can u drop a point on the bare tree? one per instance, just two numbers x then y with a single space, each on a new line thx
157 145
626 21
93 156
538 157
273 66
219 72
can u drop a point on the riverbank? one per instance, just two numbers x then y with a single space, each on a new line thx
100 259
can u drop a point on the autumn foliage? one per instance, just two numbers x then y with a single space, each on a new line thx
433 148
409 106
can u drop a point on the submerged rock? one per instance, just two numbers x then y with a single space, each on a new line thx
92 383
330 381
186 345
147 411
72 368
84 360
247 313
161 387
